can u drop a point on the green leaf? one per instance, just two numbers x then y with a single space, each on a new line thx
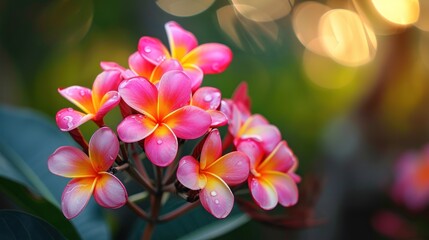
26 141
196 224
19 225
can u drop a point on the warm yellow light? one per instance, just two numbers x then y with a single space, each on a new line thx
184 8
346 38
305 22
263 10
402 12
423 22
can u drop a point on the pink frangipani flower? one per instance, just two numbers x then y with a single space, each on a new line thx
165 115
95 103
209 58
270 181
209 99
90 174
213 174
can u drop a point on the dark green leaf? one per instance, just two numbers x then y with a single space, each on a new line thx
19 225
26 141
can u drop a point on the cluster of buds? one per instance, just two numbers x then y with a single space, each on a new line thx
163 105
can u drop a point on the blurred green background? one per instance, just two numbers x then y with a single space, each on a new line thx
347 125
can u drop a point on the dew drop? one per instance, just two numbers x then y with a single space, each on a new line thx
69 121
216 67
70 109
159 141
82 93
217 201
160 59
213 193
208 98
133 117
147 49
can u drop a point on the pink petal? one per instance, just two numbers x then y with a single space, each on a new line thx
216 197
153 50
263 193
188 173
267 135
241 98
109 101
165 66
111 66
195 74
76 195
233 168
181 41
140 65
212 149
210 57
207 98
105 82
253 151
140 94
109 191
174 92
281 159
79 96
219 118
70 162
103 149
161 146
286 188
135 128
68 119
127 74
188 122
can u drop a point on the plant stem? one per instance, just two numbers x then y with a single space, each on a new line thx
140 212
142 180
77 136
178 211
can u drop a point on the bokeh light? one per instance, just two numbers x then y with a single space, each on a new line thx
402 12
423 21
263 11
184 8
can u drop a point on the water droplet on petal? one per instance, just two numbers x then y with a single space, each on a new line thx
217 201
70 109
69 121
82 93
213 193
208 98
216 67
159 141
147 49
160 59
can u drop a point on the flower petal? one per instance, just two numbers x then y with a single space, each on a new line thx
286 188
241 98
181 41
210 57
256 129
106 66
135 128
68 119
281 159
109 191
233 168
216 197
161 146
103 149
207 98
79 96
174 92
212 149
189 122
253 151
105 82
195 74
140 94
70 162
76 195
188 173
165 66
263 193
153 50
140 65
219 118
109 101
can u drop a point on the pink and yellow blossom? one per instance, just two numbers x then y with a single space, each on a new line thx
94 104
196 60
209 99
213 173
270 181
89 174
165 114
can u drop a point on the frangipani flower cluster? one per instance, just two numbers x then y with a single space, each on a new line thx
163 105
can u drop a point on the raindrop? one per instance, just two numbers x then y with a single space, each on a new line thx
216 67
160 59
159 141
69 121
147 49
70 109
217 201
208 98
82 93
213 193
